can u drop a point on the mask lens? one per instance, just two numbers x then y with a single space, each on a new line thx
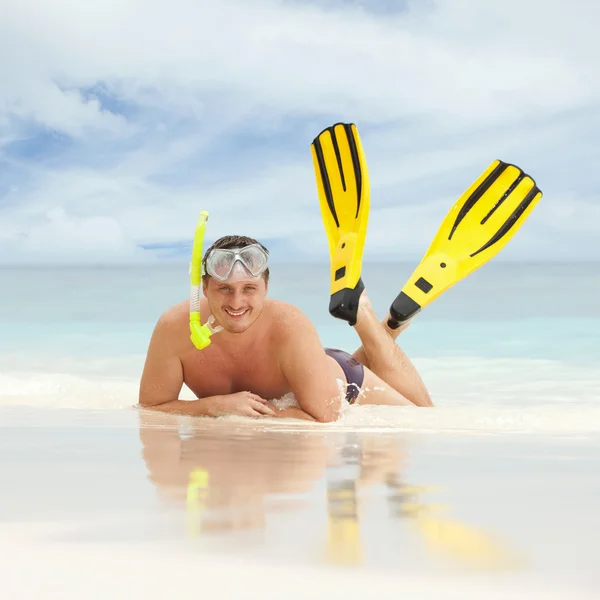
220 263
254 259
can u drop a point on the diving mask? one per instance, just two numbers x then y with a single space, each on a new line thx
251 260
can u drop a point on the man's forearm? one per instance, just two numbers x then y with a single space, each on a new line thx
294 413
211 406
205 407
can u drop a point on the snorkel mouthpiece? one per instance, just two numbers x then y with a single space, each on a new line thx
199 334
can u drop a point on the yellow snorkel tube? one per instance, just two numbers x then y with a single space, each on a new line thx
200 334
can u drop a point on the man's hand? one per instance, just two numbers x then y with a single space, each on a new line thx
242 403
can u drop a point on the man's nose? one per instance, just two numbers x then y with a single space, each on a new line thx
236 299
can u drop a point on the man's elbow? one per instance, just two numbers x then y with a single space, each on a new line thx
327 418
327 414
149 401
320 416
144 403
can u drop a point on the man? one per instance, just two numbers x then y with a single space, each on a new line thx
265 349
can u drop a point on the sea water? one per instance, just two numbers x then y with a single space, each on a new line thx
514 345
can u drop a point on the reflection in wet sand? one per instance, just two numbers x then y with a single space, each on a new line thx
445 536
227 477
362 460
197 498
344 543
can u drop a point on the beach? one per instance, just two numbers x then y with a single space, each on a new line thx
491 493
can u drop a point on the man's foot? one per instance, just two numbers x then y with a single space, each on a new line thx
366 315
394 333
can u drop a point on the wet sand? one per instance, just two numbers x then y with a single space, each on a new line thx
126 502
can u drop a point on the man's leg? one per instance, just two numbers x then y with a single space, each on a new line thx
360 354
380 353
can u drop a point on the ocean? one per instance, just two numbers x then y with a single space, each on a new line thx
512 345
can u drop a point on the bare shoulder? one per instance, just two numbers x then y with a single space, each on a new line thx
172 323
288 320
174 315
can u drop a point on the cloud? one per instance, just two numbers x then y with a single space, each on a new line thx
125 119
62 238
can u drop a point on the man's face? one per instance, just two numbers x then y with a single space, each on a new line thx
235 304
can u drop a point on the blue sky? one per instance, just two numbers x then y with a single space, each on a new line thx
121 120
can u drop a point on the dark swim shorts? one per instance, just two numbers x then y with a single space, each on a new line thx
354 371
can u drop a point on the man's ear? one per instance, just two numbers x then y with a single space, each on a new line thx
204 285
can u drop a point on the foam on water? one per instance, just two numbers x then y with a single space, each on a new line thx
471 395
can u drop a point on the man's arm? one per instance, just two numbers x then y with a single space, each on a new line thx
162 377
308 371
293 412
162 380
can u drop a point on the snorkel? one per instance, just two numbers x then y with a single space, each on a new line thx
199 334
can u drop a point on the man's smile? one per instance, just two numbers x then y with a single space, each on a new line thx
236 314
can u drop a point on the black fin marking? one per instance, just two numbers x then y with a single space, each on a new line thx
355 164
323 169
477 194
325 176
423 285
510 222
338 157
340 273
506 194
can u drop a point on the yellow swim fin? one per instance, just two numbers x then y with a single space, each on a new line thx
344 198
476 228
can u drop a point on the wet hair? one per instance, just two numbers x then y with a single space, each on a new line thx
233 241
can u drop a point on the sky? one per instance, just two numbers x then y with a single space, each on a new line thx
121 120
